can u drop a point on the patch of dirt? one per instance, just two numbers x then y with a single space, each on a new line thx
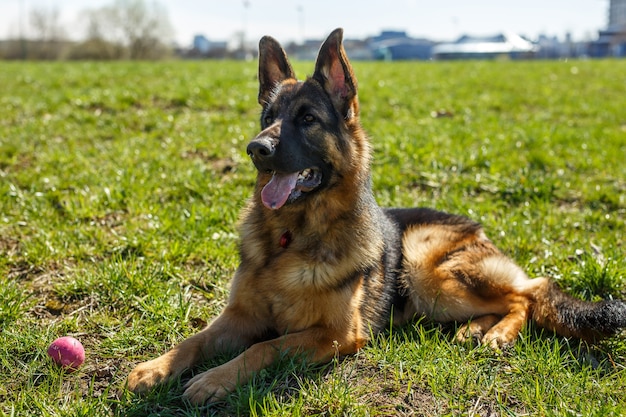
103 377
220 165
96 378
389 396
377 389
9 246
38 276
40 280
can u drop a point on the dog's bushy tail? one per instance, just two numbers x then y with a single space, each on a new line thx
568 316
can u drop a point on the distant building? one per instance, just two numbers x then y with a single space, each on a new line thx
397 45
201 44
548 47
612 40
617 14
204 47
506 45
304 51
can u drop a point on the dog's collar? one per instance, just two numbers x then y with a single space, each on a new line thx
285 239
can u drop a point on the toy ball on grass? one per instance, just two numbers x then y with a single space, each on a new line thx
67 352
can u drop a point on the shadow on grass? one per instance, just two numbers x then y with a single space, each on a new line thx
274 385
413 370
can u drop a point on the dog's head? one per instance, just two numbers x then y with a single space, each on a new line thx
309 128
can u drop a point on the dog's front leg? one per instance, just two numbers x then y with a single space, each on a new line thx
229 331
317 343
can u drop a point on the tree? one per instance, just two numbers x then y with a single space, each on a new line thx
47 34
144 29
45 24
96 45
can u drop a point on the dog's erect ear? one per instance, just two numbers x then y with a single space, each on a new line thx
274 67
334 72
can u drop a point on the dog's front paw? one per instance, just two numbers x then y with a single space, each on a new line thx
148 374
210 386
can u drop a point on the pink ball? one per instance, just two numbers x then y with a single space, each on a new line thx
67 352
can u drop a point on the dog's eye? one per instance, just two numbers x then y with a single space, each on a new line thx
268 120
308 118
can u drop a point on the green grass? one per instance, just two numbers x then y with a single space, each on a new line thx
120 185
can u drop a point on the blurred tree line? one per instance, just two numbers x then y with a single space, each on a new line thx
125 29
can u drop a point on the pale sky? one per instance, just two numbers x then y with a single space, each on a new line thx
288 20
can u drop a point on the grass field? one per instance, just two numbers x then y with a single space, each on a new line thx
120 186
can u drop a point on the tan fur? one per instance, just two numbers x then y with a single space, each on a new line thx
493 292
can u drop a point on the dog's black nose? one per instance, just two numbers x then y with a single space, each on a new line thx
261 148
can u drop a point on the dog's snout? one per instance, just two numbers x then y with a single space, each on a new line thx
261 148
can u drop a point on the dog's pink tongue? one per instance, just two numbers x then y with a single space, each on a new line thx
276 192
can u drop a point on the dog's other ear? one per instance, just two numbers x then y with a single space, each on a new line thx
334 72
274 67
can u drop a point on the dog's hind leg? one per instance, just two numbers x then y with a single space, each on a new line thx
454 273
495 330
476 329
505 331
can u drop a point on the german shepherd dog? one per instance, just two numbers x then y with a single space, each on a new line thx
323 267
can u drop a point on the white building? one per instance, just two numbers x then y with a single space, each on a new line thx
503 45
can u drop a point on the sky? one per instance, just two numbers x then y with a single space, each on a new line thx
295 20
